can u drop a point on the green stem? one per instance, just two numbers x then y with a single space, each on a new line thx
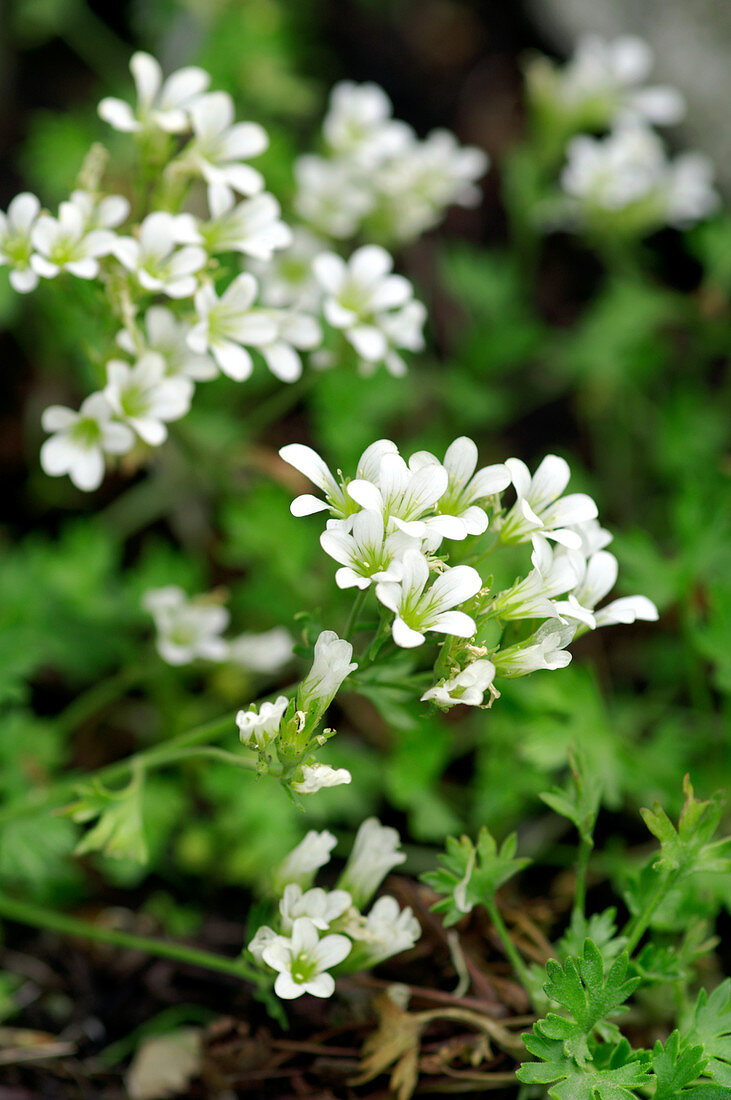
90 702
26 913
354 613
509 947
637 926
582 865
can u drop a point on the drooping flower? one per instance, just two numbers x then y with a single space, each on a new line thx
164 106
187 629
302 863
418 609
67 244
337 501
365 552
540 505
220 147
467 687
312 777
155 258
332 663
544 649
164 334
596 577
258 727
321 906
81 439
16 244
554 572
375 852
467 492
144 397
228 323
303 960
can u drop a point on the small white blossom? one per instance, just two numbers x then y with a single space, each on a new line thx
186 629
358 124
295 332
81 439
467 687
337 501
361 297
287 279
144 397
66 244
374 854
388 931
321 906
540 505
313 777
164 106
16 246
155 258
418 610
262 938
596 578
332 663
328 197
220 146
466 491
227 323
258 728
407 498
252 227
302 863
164 334
302 962
553 573
106 212
544 649
265 652
366 553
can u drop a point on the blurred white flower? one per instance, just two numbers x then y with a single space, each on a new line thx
544 649
302 863
164 334
417 610
321 906
262 938
16 245
328 198
365 552
144 397
81 439
466 490
160 105
105 212
337 501
540 505
259 726
313 777
227 323
287 279
265 652
66 244
252 226
220 146
332 663
296 332
187 629
358 124
361 297
155 258
467 687
303 960
375 852
388 931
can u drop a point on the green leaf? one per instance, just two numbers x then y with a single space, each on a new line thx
710 1027
676 1065
119 830
580 803
690 847
613 1073
469 874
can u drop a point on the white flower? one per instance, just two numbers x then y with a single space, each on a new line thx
388 931
553 573
258 728
220 146
66 244
302 962
627 609
331 664
321 906
365 552
337 501
106 212
361 295
407 498
186 629
375 852
596 578
328 197
16 247
81 439
164 106
167 336
628 173
262 938
544 649
417 610
295 332
603 81
252 227
145 397
265 652
287 280
228 322
467 687
540 506
466 490
358 125
300 866
313 777
155 259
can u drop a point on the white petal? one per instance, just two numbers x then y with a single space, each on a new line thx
455 622
370 263
404 636
455 585
233 360
460 460
369 342
147 76
330 271
309 463
119 115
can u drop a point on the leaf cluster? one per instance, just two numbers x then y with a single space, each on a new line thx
472 873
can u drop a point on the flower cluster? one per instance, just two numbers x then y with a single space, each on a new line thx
377 179
191 629
318 930
392 527
284 734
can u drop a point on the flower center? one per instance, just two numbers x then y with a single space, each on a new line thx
86 432
303 968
